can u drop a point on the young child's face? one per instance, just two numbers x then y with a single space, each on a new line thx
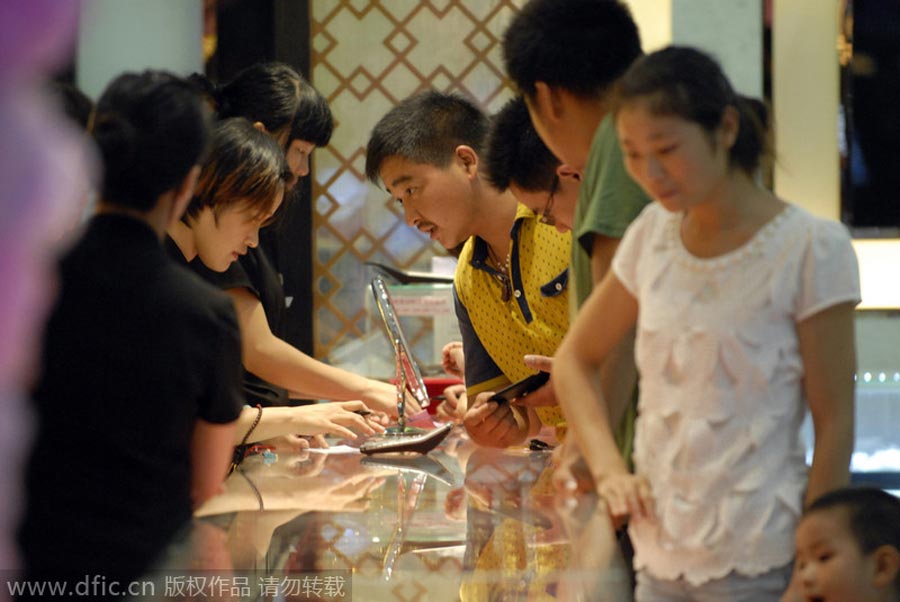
830 563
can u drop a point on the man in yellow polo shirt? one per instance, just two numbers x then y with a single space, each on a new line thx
511 284
519 160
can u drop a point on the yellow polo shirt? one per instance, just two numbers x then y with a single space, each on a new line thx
497 334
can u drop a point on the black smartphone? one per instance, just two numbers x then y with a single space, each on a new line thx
520 388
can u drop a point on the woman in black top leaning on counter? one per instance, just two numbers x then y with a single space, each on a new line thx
281 103
241 186
135 417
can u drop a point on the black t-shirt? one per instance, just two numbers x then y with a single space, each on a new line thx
255 273
136 349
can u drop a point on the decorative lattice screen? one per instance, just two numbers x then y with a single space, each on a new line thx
366 56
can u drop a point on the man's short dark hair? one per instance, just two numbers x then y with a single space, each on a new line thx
425 128
515 152
581 45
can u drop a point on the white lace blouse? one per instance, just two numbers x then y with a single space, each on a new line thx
721 399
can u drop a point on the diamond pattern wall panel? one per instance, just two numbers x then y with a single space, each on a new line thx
367 56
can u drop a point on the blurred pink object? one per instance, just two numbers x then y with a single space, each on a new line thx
45 174
38 36
421 420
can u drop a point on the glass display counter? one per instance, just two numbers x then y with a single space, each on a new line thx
462 523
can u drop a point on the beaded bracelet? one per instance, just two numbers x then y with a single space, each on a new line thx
238 454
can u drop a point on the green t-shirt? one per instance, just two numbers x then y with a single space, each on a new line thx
609 200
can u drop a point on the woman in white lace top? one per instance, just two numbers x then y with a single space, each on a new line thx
743 305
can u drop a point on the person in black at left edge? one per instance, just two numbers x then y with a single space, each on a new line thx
140 372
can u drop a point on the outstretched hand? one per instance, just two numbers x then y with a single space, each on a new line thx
383 398
493 424
570 471
453 407
539 362
627 495
453 360
336 418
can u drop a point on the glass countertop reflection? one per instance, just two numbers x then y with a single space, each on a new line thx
460 523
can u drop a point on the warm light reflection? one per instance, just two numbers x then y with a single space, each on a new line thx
879 265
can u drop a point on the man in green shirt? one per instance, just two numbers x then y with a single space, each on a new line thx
566 56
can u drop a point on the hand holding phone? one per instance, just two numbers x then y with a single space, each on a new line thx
521 388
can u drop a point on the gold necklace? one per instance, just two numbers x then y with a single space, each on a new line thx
502 267
502 275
